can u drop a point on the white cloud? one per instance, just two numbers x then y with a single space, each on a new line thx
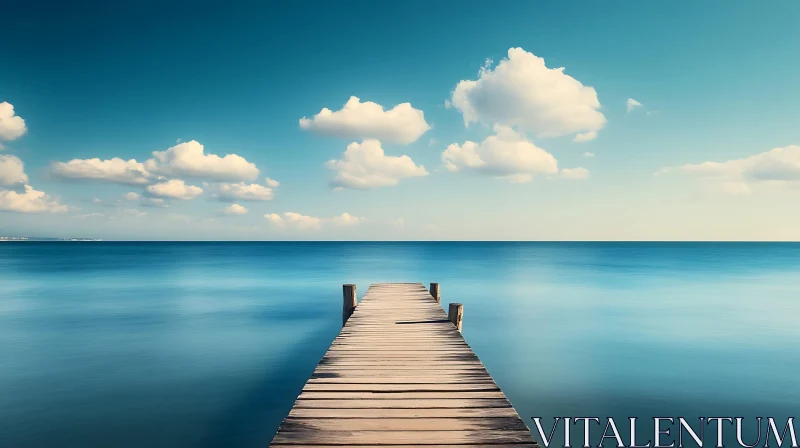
632 104
522 92
241 192
132 196
457 158
29 201
11 126
20 197
116 170
356 120
346 219
507 155
734 188
399 223
272 183
779 167
301 221
776 164
274 218
12 171
295 221
188 159
585 137
174 189
154 203
233 209
588 154
365 166
574 173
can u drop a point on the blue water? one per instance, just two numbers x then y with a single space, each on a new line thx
208 344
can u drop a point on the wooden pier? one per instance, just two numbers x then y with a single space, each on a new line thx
401 374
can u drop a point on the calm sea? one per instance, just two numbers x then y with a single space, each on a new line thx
208 344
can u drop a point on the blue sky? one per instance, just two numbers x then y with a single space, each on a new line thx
717 82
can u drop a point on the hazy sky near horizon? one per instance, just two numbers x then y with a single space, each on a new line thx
537 120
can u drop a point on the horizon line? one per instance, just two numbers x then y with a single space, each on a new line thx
102 240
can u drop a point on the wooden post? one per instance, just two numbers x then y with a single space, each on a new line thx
455 314
435 292
349 303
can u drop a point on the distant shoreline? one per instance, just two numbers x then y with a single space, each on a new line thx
445 242
37 239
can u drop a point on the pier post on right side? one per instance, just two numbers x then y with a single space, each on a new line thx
435 292
455 314
350 301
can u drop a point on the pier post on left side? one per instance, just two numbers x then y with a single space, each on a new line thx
434 290
350 301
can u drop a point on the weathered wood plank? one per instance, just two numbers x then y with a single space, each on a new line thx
453 379
396 395
394 370
416 365
505 445
450 403
403 413
434 376
401 387
400 437
390 354
406 424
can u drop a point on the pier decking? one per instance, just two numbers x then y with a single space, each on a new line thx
400 373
